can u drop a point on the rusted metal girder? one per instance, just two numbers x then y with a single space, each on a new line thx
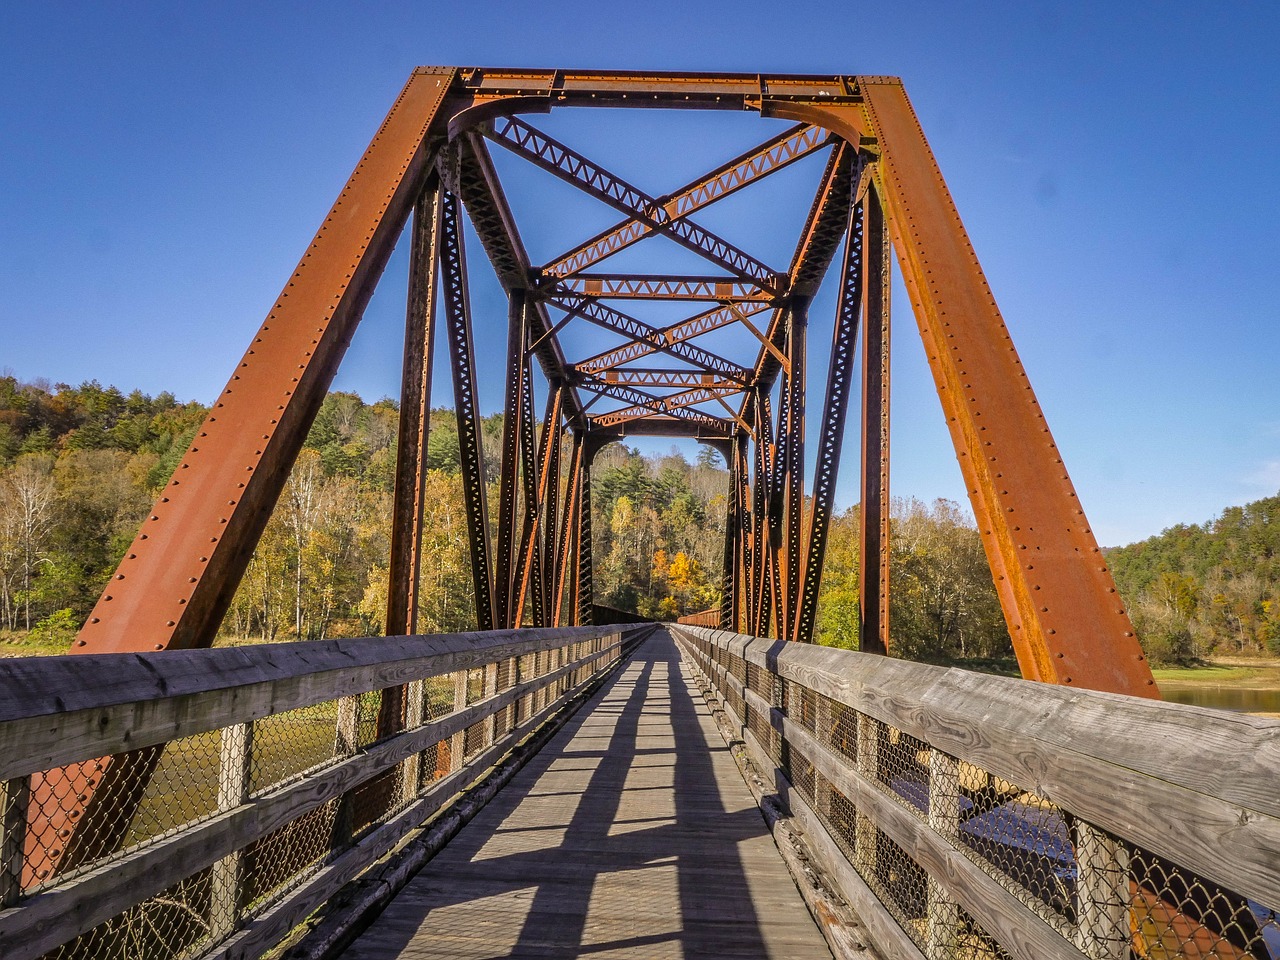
665 338
569 165
754 165
831 439
1067 621
457 309
409 499
615 286
873 517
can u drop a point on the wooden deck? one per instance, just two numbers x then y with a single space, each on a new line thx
630 835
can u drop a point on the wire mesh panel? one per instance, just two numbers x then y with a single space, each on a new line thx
172 924
291 743
1176 913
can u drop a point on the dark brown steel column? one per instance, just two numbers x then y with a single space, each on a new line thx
508 477
466 403
793 465
585 592
831 429
415 418
873 519
730 575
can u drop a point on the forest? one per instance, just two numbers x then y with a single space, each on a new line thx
80 466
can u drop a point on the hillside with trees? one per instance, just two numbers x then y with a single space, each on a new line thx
1202 589
79 467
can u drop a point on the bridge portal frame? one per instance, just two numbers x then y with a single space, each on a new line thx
882 186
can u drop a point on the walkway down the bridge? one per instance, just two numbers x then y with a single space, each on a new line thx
630 835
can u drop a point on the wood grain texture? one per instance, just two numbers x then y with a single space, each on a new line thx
57 710
631 835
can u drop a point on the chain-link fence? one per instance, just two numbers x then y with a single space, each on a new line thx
989 818
259 780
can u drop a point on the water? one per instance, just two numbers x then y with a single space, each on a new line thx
1240 699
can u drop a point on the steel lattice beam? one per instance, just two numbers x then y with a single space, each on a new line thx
754 165
457 310
572 167
616 286
835 410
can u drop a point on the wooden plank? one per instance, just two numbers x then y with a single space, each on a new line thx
626 838
57 710
61 913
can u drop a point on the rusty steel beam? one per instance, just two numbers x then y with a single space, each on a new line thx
648 335
466 407
574 168
409 498
539 497
487 207
526 561
564 576
618 286
647 377
754 165
716 430
549 476
816 248
584 593
512 431
179 575
831 427
600 88
676 333
1067 621
873 519
793 464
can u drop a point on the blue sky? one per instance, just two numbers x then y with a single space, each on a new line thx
165 165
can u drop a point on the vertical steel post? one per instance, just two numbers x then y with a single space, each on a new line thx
793 465
732 556
585 597
566 572
467 404
831 435
873 520
415 420
508 477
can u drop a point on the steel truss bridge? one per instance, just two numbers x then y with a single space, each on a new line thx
163 799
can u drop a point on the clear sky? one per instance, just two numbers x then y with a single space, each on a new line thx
163 167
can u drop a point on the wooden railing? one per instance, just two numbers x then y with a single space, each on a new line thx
964 815
272 776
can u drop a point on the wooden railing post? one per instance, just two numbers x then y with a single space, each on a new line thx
1102 894
234 771
458 742
15 796
345 743
864 841
944 818
490 688
414 712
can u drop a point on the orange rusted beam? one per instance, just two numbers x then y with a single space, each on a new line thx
1067 621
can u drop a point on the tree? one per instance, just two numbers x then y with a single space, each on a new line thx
27 496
